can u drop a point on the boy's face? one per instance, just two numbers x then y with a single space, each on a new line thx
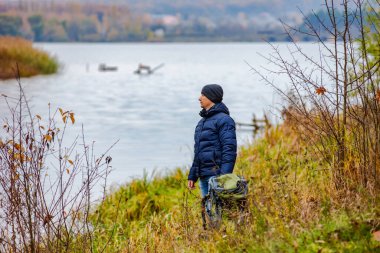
205 102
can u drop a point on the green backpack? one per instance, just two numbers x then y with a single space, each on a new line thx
229 186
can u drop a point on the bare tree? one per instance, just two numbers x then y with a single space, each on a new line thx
333 100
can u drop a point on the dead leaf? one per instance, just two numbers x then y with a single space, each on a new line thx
72 118
320 90
17 146
22 158
47 137
68 171
376 235
71 162
378 95
61 111
47 219
38 117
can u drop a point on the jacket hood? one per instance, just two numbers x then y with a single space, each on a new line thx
217 108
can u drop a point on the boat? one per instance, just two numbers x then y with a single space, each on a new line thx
103 67
147 70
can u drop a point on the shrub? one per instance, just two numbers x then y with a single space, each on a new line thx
31 61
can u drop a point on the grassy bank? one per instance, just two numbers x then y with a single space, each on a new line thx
31 61
293 207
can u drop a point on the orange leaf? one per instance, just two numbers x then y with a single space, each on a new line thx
61 111
47 137
71 162
64 118
378 95
320 90
22 158
376 235
72 117
17 146
68 171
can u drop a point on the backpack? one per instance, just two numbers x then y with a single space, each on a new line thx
228 186
224 192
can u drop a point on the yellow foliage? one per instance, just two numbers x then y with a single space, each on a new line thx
48 137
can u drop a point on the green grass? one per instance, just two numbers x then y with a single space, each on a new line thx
31 61
292 208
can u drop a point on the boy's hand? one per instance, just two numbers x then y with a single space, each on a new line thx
191 184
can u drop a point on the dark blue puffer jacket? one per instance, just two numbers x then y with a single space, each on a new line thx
215 143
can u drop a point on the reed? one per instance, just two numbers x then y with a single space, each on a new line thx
30 60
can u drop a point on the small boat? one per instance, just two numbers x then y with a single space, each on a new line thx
146 70
103 67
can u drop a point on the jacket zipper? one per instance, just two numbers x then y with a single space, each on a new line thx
199 138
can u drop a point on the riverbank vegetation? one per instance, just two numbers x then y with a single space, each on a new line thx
293 207
314 182
30 60
293 204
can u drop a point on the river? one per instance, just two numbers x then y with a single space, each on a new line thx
154 116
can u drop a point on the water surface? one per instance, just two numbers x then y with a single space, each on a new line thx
153 117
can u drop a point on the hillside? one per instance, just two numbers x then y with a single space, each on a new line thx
162 20
274 7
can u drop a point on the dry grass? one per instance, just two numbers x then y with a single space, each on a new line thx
293 206
31 61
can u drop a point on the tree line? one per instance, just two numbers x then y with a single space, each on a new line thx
106 23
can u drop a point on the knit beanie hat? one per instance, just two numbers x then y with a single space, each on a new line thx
214 92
